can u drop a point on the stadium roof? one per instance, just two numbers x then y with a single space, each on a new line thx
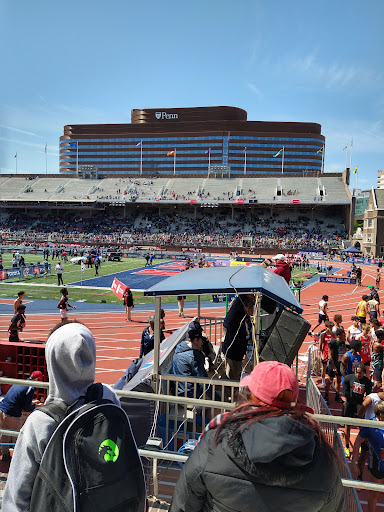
215 280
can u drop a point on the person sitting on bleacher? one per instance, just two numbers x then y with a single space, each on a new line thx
188 361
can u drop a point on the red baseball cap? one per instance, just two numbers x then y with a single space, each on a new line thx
37 375
268 379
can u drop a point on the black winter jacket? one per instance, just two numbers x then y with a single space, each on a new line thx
276 464
235 343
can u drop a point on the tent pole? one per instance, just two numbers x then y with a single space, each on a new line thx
156 351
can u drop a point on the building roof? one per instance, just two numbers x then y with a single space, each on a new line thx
379 194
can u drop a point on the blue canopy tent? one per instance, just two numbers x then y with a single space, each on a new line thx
352 249
252 279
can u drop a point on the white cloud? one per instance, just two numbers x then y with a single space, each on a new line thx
336 75
39 147
254 89
18 130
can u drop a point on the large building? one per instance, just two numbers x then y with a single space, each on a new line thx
373 237
380 179
191 141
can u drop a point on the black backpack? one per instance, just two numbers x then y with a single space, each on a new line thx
91 461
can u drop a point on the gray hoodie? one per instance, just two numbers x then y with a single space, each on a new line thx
71 356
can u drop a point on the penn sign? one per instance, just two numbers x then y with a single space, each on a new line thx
164 115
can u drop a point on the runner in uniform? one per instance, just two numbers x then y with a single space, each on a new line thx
366 345
63 305
351 357
323 313
375 438
18 301
378 278
325 337
355 386
354 330
336 351
377 359
17 324
362 309
338 320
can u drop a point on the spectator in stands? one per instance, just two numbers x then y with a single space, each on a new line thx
71 355
17 400
266 454
375 438
148 337
282 268
238 332
188 361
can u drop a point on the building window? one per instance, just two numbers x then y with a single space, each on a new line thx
382 249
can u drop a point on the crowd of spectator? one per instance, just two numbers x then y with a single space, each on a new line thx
212 229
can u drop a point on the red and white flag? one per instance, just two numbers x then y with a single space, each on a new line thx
118 288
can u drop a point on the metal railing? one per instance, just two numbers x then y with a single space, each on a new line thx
329 429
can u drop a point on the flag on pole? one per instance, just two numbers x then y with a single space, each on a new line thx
171 153
208 151
278 153
355 170
15 155
138 144
244 150
73 144
345 147
319 150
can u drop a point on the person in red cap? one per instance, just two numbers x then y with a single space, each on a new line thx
265 454
17 400
282 268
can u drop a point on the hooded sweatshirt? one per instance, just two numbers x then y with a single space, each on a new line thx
275 464
71 356
282 269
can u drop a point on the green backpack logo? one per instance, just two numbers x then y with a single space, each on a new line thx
109 450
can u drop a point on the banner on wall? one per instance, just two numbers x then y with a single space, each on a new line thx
331 279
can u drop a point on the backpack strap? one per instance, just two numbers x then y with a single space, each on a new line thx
56 410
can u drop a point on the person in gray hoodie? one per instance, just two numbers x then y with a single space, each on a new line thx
264 455
71 356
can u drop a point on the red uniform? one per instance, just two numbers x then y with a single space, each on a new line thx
326 339
365 351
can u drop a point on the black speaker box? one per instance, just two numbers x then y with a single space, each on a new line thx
286 338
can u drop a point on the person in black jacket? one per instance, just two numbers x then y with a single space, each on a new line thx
266 454
128 303
238 333
148 337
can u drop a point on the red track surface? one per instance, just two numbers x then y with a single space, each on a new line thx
118 341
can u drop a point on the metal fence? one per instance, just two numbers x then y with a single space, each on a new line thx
315 400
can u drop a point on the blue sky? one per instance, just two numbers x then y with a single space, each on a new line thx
92 62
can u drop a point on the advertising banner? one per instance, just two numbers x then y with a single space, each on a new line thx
333 279
32 270
220 297
118 288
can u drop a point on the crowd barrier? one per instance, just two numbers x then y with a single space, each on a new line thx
184 418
